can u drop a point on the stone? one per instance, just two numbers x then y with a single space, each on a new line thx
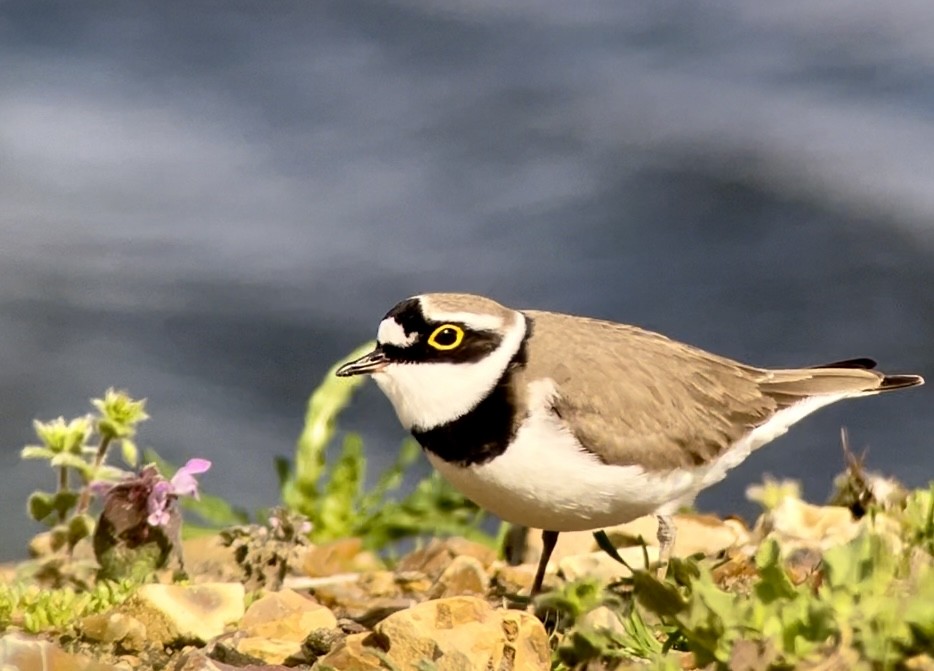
207 559
198 660
464 632
286 615
345 555
464 575
380 583
603 618
439 552
414 584
512 580
174 613
797 524
357 652
695 533
23 653
115 627
350 600
277 624
599 565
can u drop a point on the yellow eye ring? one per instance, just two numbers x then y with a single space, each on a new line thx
441 337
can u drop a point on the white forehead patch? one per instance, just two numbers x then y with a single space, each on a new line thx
391 333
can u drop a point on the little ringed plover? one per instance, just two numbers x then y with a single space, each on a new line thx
566 423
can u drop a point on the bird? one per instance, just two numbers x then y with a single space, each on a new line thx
568 423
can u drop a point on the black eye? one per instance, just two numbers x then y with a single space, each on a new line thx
445 337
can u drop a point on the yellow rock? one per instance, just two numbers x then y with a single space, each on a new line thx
345 555
277 623
353 654
797 524
465 632
23 653
286 615
186 612
601 566
464 575
695 533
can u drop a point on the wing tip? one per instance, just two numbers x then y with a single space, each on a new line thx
890 382
864 363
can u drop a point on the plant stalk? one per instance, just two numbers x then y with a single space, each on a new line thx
85 499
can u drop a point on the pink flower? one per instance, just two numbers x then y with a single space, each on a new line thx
183 483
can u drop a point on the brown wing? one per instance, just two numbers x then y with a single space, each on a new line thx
633 396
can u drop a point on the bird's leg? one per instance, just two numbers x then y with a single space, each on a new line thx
549 538
666 542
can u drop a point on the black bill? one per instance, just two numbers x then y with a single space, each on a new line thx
373 362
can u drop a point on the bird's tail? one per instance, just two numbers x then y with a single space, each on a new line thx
852 377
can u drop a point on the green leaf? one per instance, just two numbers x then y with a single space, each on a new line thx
130 452
335 515
72 461
40 505
79 527
63 502
774 583
214 510
301 491
391 479
661 598
37 452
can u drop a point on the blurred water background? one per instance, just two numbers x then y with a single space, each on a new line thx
209 203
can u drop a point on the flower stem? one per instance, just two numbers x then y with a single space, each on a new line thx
85 500
62 487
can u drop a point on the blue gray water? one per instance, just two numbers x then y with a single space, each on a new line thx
209 203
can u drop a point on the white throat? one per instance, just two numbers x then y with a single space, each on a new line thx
427 395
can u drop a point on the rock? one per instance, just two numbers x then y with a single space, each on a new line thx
22 653
379 583
357 652
601 566
351 601
695 533
173 613
270 650
413 584
513 580
278 623
464 575
345 555
286 615
603 618
464 632
115 627
207 559
198 660
438 554
796 524
321 641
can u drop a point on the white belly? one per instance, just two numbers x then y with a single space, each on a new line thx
547 480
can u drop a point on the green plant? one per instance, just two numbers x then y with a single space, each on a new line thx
35 610
66 446
333 495
263 551
868 602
